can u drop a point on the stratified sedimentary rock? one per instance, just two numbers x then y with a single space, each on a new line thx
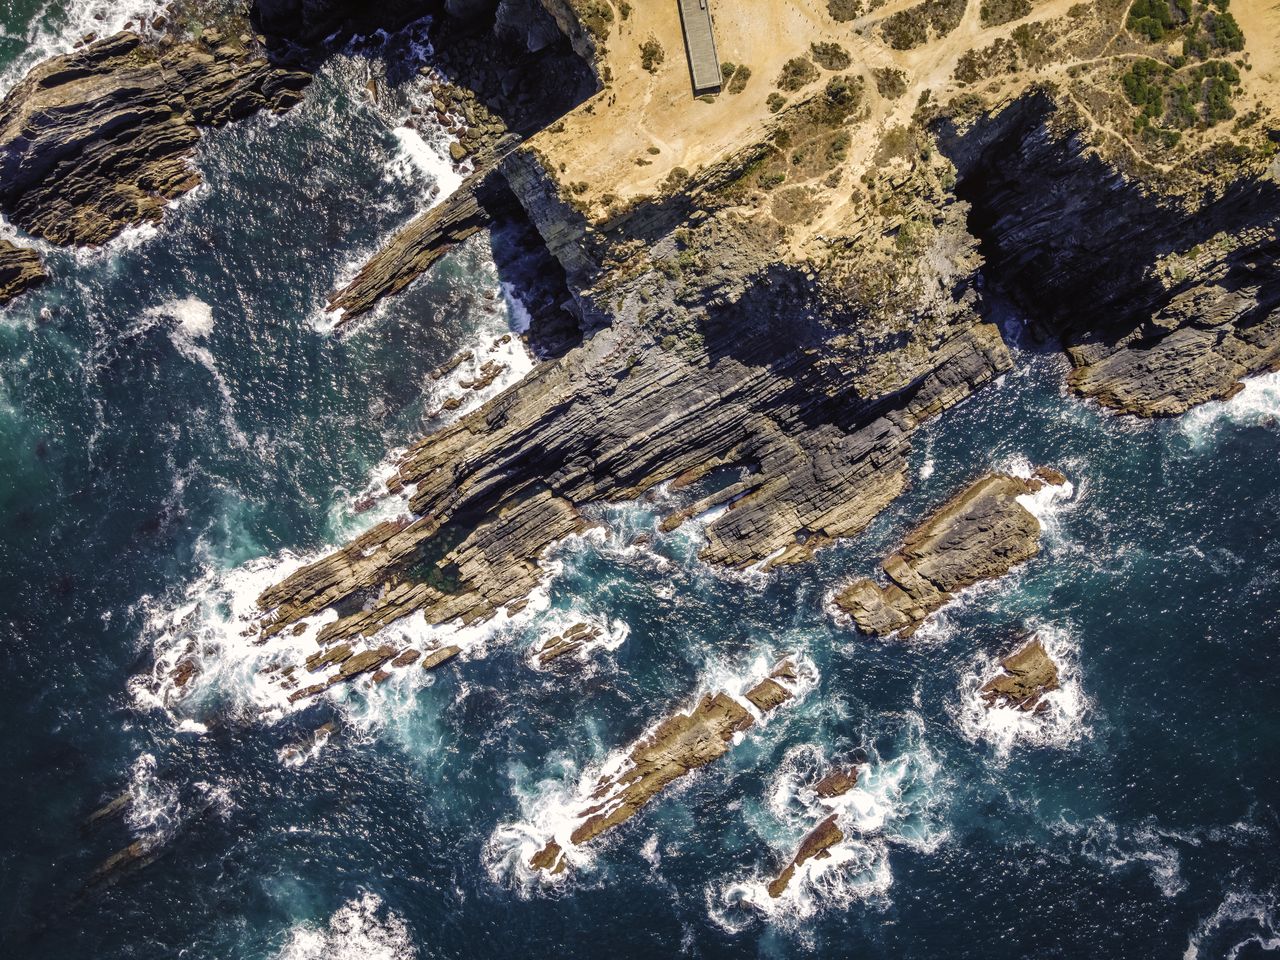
570 641
680 744
981 533
1027 675
101 138
20 270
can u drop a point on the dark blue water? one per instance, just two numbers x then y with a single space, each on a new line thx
176 428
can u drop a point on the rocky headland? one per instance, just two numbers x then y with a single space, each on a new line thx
981 533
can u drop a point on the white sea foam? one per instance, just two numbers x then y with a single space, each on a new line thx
610 633
1251 917
191 322
1257 404
154 810
549 807
895 802
362 929
419 158
1061 719
59 26
1117 849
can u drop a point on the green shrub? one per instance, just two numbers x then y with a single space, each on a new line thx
831 56
739 81
891 83
1226 32
844 10
995 12
775 102
796 73
652 54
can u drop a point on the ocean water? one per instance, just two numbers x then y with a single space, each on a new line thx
179 425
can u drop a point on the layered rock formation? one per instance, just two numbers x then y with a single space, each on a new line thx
571 641
20 270
1027 675
1163 298
818 842
101 138
680 744
981 533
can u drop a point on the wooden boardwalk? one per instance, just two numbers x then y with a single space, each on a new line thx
700 42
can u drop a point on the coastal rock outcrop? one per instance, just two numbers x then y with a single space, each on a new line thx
818 842
20 270
101 138
979 534
678 745
1026 676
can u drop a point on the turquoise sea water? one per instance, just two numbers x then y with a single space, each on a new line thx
177 426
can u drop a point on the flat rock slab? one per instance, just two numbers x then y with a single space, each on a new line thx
815 846
981 533
1026 676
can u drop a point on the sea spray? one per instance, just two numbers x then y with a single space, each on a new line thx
1061 718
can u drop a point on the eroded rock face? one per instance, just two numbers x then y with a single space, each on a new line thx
1028 674
1162 302
101 138
571 641
981 533
680 744
307 22
20 270
825 835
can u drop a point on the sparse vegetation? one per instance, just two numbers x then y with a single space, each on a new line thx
831 56
995 12
674 180
651 54
910 28
890 82
796 73
1171 99
739 82
844 10
775 102
596 16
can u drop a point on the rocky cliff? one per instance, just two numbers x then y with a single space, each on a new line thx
1163 298
100 139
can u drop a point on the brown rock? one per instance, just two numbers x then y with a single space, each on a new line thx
815 846
981 533
550 858
1028 674
436 658
836 783
20 270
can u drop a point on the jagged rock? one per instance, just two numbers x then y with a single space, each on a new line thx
406 658
836 783
979 534
308 22
20 270
427 238
1028 674
814 846
351 665
681 743
570 641
101 138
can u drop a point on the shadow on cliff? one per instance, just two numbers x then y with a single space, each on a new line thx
1067 237
512 56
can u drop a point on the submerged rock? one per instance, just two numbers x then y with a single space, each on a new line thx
979 534
101 138
1028 674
